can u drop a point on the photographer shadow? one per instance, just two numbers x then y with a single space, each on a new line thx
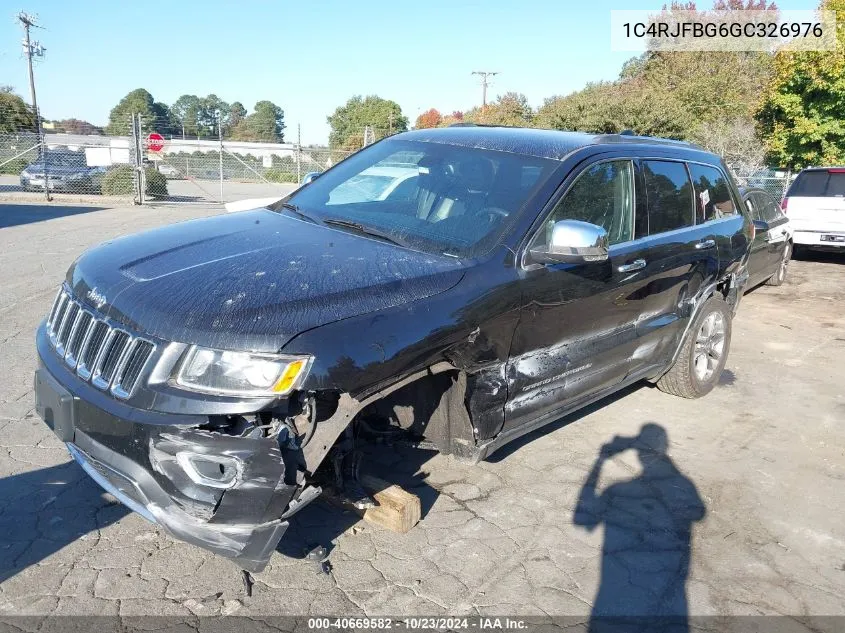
647 540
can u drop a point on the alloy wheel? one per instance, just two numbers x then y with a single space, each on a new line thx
709 346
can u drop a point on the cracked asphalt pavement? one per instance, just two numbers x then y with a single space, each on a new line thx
745 504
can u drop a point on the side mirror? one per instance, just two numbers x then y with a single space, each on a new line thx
311 175
761 226
574 242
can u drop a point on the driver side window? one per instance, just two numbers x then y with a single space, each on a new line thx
602 195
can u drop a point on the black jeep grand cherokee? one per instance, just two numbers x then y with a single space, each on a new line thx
467 284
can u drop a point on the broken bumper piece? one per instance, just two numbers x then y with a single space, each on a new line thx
248 545
225 493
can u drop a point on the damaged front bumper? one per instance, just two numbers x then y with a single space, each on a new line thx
227 494
249 546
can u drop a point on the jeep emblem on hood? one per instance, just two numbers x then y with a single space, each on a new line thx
99 300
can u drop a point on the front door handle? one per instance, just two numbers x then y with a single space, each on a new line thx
637 264
705 244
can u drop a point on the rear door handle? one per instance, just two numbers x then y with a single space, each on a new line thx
705 244
637 264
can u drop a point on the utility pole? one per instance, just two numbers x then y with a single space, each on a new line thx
220 137
298 153
390 124
141 179
484 83
31 49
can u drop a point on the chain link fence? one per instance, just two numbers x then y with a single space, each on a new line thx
774 181
212 166
65 166
144 166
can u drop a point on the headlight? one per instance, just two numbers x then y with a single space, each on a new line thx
241 373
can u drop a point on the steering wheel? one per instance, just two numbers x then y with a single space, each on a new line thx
494 213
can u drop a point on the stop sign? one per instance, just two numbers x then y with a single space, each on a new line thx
155 142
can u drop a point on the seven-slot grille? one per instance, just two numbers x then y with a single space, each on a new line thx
111 358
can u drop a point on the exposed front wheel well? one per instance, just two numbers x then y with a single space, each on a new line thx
433 407
430 402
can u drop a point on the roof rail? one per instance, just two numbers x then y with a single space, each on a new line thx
463 124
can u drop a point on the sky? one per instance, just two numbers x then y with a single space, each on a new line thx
309 57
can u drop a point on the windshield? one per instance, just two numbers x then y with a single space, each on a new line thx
827 183
429 196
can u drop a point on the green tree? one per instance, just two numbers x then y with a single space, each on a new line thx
237 112
510 108
15 114
155 116
200 116
266 123
165 122
186 111
349 120
213 113
690 95
610 107
802 114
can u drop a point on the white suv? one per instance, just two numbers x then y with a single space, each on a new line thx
815 205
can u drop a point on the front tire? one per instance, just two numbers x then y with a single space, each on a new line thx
780 276
703 355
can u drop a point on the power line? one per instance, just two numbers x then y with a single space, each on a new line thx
484 83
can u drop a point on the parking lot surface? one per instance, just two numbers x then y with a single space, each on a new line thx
756 472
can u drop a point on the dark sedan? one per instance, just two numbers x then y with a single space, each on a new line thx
67 171
772 246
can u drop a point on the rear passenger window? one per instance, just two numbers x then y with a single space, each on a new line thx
712 194
669 195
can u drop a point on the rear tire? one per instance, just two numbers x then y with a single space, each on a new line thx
780 276
703 353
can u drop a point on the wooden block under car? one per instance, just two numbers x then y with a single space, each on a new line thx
398 510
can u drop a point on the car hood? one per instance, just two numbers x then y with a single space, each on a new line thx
250 280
